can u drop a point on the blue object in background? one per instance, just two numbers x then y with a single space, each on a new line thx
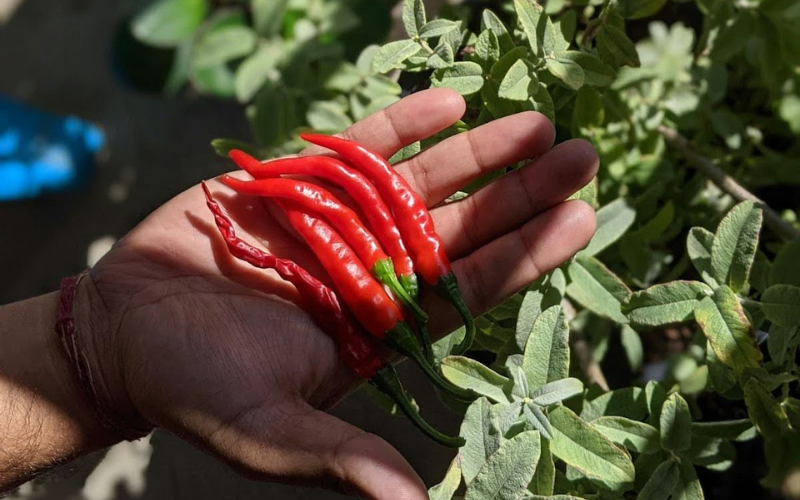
42 152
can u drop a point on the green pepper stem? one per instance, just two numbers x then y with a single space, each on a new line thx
384 271
401 339
387 381
410 284
447 287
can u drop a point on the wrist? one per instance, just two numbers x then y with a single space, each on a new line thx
106 388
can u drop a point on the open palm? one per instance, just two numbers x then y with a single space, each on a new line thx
205 348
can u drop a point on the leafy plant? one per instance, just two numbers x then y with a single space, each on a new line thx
691 121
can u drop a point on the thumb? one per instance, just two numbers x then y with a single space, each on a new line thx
307 445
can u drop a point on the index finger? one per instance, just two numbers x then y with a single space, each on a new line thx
405 122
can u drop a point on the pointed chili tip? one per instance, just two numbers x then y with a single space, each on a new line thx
242 159
209 198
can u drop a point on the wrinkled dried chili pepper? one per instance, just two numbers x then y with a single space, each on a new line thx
413 219
356 350
365 297
319 200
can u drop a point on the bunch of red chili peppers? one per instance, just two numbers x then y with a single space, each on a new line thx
363 260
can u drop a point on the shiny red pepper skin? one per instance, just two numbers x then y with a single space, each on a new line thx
355 349
315 199
414 221
364 296
360 189
411 214
360 291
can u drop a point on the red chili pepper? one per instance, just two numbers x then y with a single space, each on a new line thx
357 186
413 220
355 349
365 297
318 200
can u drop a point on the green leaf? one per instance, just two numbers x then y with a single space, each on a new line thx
437 27
698 245
646 464
538 27
666 303
546 355
613 220
616 48
516 82
452 480
327 117
713 453
733 430
475 429
587 194
508 471
566 70
735 243
655 395
538 420
791 407
273 115
470 374
413 17
557 391
216 80
786 268
723 379
464 77
781 305
487 48
728 330
637 9
632 345
169 22
596 288
393 54
629 402
675 424
406 153
545 475
581 446
222 45
268 16
765 413
223 146
490 21
254 72
636 436
595 72
542 102
442 57
663 481
529 310
779 340
688 487
588 111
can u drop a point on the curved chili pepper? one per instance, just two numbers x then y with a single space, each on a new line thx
355 349
357 186
319 200
365 297
413 219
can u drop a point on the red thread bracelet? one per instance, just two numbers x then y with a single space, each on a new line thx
66 329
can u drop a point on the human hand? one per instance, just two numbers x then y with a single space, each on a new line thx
182 340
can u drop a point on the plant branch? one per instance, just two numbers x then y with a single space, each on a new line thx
726 182
583 351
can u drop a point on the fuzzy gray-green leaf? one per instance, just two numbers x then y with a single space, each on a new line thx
735 243
581 446
546 355
665 303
